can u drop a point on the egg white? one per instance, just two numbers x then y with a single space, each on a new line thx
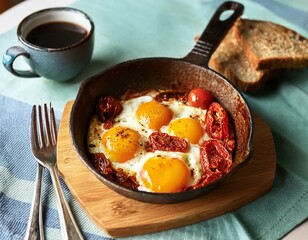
128 119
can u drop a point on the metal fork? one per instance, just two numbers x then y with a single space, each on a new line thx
44 142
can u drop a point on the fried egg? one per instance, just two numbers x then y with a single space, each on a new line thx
124 144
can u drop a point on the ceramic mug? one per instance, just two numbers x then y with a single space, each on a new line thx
48 43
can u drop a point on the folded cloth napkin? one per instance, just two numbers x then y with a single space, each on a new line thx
17 176
130 29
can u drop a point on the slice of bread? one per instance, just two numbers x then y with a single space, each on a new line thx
230 60
270 46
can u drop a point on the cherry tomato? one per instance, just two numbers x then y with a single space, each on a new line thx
214 157
217 122
200 98
107 109
104 166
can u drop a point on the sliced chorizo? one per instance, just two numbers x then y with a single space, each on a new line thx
165 142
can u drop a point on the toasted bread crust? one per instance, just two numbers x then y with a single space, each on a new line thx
270 46
230 60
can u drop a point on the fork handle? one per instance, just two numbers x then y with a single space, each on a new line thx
35 230
69 227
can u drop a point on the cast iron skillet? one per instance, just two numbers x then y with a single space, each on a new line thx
187 73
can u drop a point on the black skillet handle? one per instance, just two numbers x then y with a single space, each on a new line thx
214 33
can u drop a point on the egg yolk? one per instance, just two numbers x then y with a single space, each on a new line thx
164 174
153 115
120 144
186 128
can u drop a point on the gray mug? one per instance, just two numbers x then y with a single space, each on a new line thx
60 57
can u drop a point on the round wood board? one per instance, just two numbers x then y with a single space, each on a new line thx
119 216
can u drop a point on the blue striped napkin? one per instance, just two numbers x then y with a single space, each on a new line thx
17 176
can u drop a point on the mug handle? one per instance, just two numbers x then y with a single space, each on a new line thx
8 60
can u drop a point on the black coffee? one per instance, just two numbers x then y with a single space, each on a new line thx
56 35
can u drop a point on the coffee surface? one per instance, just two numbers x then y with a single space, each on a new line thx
56 35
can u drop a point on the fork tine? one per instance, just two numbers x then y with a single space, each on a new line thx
53 124
48 132
34 135
41 127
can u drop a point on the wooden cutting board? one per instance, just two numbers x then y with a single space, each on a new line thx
119 216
